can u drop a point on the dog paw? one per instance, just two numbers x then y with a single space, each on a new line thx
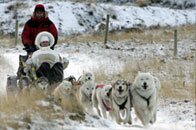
146 126
152 121
129 122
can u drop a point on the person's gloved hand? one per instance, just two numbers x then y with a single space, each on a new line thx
30 48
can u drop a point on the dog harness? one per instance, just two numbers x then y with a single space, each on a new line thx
107 108
121 106
146 99
100 86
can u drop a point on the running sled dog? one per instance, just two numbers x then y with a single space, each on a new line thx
145 97
84 94
101 99
121 101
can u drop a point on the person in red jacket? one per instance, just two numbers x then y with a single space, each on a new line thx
39 22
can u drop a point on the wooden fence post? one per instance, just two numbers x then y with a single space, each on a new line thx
107 28
175 42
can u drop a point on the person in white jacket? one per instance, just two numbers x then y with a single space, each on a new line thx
46 61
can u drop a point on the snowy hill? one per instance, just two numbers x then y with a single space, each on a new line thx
79 18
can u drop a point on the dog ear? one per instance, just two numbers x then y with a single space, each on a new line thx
71 78
129 83
75 87
110 90
80 82
83 72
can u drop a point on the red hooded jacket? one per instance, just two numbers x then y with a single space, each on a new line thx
34 26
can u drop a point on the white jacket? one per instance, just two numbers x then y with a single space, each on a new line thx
44 54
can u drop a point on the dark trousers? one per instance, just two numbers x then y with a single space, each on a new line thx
54 74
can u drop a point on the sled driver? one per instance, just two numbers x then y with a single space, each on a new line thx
37 23
46 61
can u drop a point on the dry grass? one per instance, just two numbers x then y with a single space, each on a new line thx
20 104
100 76
28 102
170 90
7 41
18 112
21 110
148 35
142 3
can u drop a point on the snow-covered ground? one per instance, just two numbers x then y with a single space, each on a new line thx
70 18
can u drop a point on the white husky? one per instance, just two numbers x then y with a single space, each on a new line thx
87 81
145 97
62 92
102 100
